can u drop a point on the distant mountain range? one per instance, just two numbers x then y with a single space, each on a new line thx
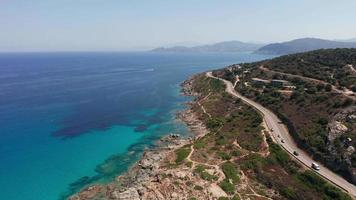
283 48
303 45
228 46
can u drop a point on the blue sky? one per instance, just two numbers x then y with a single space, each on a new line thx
57 25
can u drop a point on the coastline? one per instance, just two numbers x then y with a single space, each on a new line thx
139 182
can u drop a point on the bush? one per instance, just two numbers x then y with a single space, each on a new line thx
200 169
230 172
227 186
224 155
216 85
236 197
213 123
254 161
198 187
278 155
182 154
313 181
289 193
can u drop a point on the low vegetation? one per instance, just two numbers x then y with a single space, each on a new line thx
233 123
311 109
182 154
201 171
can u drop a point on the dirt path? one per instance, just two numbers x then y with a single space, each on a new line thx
237 80
346 92
351 68
202 107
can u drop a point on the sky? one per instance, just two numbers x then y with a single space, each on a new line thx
125 25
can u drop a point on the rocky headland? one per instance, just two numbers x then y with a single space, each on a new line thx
144 180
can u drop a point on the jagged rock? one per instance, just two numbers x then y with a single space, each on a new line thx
129 194
337 128
174 195
350 150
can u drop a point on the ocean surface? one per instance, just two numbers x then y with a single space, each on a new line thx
72 119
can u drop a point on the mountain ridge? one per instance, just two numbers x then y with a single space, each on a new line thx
303 45
226 46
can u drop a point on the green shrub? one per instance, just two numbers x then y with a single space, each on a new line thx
182 154
224 155
278 155
199 144
198 187
227 186
231 172
216 85
313 181
289 193
189 164
236 197
253 161
200 169
213 123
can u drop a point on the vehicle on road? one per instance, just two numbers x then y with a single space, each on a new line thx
315 166
271 129
282 141
295 153
280 122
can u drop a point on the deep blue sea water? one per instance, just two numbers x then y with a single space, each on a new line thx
72 119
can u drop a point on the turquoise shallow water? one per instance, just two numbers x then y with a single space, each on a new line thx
72 119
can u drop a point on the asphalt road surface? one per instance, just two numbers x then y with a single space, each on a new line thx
280 132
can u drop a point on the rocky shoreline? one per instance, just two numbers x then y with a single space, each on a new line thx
139 182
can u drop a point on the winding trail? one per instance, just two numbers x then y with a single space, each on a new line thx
346 92
278 129
202 107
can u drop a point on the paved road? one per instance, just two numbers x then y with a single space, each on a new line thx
289 145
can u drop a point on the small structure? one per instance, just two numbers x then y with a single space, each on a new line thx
246 71
280 83
260 82
290 87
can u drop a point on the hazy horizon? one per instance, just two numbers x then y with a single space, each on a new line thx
131 26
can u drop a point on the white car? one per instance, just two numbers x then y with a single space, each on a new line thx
315 166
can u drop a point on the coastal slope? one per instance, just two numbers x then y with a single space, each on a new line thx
231 156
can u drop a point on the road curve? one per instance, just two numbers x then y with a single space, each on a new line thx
273 122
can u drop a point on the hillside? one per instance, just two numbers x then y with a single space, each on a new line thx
334 66
228 46
303 45
316 105
233 157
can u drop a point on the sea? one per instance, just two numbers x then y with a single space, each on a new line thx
71 119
